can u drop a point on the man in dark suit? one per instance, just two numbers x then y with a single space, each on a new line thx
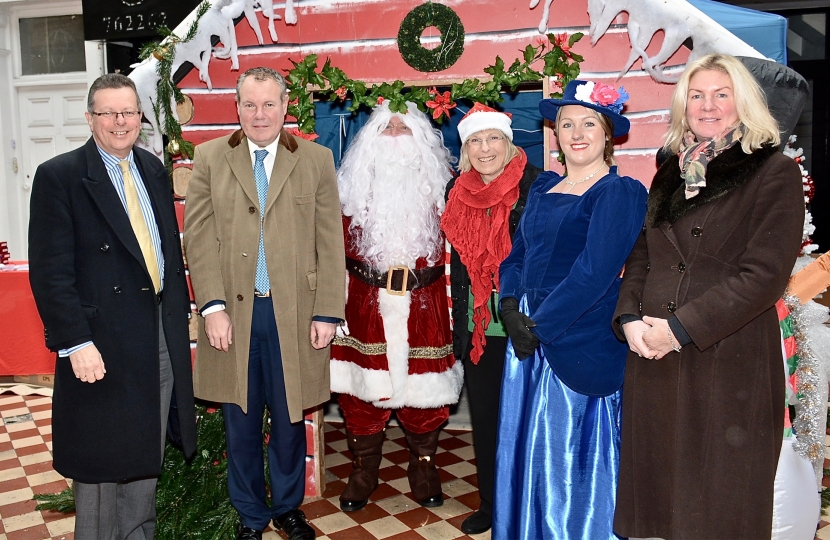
108 278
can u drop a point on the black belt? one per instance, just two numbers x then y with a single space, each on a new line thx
397 280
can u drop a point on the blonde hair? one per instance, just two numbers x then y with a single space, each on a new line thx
607 126
464 164
750 103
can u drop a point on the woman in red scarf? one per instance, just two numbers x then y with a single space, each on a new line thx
484 205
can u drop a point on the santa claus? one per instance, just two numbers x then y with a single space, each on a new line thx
395 350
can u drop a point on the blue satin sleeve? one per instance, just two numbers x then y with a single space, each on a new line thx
616 220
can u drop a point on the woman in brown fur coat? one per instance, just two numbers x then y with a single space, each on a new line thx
703 397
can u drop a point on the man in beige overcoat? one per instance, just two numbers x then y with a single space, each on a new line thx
264 244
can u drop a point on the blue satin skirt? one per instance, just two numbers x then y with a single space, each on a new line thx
557 457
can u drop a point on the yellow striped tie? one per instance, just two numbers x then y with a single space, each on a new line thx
142 232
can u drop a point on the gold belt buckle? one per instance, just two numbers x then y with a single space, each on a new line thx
404 280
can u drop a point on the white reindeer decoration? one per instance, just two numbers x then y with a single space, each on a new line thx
217 21
678 19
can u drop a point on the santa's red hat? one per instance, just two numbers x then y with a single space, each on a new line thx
482 117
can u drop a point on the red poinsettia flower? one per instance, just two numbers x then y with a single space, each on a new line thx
541 41
556 85
380 100
210 410
561 41
298 133
341 92
441 105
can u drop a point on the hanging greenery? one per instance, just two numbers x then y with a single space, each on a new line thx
452 37
165 52
333 83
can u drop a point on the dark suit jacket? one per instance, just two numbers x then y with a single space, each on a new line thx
90 282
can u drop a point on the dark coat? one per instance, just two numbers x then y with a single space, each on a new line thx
460 279
90 283
702 429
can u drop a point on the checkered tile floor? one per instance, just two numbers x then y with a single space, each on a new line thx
26 468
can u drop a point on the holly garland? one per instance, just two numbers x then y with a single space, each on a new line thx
559 62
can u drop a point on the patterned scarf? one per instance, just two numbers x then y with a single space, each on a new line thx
476 221
696 155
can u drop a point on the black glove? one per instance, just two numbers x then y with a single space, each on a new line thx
518 327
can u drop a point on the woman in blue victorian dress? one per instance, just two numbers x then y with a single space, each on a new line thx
558 446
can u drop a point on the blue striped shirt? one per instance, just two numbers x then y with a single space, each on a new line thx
114 171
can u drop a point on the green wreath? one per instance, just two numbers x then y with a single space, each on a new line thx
452 37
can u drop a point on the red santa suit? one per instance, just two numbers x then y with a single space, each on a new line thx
398 354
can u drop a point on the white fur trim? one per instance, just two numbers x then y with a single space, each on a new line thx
394 310
484 120
429 390
396 388
366 384
423 391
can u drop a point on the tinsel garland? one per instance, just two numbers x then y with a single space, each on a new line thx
452 37
811 410
192 497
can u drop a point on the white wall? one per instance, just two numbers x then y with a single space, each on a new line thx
14 190
6 135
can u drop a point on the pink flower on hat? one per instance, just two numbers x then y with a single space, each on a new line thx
604 94
341 92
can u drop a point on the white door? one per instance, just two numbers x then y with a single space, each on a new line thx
52 122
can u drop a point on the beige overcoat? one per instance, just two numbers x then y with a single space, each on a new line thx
304 251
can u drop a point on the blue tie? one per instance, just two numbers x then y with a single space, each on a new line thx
262 283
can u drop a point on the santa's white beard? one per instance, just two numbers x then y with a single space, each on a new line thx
399 221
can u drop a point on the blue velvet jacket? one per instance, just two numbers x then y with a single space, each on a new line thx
567 257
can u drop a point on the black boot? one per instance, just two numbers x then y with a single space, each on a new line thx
423 476
363 480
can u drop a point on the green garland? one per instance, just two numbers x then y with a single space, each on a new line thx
558 62
167 91
333 83
452 37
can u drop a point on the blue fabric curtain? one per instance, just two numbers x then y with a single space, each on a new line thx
766 32
337 126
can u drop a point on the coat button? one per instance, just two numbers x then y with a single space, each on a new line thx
681 267
178 271
251 210
244 254
116 290
648 267
105 247
672 307
240 297
697 231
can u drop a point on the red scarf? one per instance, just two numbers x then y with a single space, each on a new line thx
477 224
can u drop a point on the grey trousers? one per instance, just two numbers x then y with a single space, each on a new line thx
125 510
